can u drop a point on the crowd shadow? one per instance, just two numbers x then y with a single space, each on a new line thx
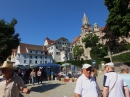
45 87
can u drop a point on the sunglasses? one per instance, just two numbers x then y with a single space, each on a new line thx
89 69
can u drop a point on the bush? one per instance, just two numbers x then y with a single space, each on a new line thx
122 58
128 46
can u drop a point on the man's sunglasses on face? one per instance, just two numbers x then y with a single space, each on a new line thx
89 69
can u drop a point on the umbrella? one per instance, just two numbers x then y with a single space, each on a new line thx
24 67
33 66
48 65
66 64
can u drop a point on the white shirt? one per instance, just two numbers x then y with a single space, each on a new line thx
109 80
86 87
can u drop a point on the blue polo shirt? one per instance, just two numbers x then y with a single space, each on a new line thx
126 78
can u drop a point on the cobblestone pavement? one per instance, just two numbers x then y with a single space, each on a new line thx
56 88
51 89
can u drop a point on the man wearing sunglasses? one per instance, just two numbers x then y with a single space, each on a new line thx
86 85
114 85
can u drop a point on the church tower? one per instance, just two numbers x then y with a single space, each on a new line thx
85 20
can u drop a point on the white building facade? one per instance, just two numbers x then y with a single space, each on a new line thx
60 49
28 54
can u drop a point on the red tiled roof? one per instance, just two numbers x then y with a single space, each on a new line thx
102 28
53 41
50 41
76 39
24 46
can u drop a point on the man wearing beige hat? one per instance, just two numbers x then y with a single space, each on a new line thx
86 85
13 84
114 84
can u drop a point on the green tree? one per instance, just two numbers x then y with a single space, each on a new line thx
117 24
97 50
91 40
119 17
78 51
8 38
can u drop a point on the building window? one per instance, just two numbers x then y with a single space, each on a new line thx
41 57
45 57
35 62
40 61
45 61
25 61
30 51
41 52
56 47
25 56
58 42
36 52
51 53
57 53
36 57
31 57
51 48
30 61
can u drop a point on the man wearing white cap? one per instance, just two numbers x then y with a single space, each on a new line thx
114 85
86 85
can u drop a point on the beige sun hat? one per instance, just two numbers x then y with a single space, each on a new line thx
8 65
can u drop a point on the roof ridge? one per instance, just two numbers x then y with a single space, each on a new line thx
31 44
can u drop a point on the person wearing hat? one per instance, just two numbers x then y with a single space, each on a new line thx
114 84
86 85
13 84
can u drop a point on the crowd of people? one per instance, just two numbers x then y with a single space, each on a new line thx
35 75
114 84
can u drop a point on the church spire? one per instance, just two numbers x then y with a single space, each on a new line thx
84 16
85 19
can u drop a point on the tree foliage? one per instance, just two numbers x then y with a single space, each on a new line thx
119 17
97 50
118 24
78 51
8 38
91 40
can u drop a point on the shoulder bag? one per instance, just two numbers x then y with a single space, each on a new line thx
114 83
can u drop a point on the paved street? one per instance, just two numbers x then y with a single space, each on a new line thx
51 89
55 88
58 88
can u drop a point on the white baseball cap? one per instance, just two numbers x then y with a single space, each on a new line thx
86 66
109 64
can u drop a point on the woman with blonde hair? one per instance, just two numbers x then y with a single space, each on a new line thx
33 75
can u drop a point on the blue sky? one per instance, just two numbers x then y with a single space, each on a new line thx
38 19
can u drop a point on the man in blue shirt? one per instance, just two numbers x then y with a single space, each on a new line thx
125 74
